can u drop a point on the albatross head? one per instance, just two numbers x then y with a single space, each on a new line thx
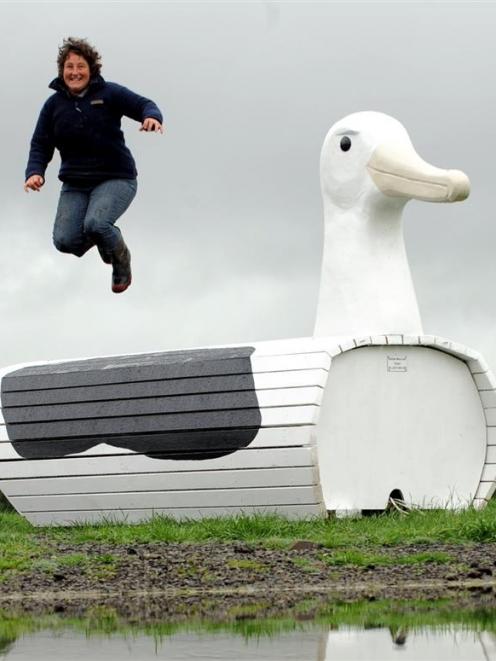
369 155
369 170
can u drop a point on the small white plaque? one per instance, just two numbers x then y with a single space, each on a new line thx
397 364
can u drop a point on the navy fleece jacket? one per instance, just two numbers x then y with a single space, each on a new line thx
87 132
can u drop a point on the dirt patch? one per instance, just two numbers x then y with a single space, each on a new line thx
233 580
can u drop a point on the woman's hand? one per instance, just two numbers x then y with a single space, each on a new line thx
151 124
35 182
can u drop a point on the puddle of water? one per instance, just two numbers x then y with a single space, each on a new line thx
308 644
330 631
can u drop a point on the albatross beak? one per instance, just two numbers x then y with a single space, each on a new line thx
398 171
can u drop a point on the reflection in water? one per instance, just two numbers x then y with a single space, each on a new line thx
421 645
310 643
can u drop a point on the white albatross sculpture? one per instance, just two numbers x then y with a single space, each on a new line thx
367 410
369 170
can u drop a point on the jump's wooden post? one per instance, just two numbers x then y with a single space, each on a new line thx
368 407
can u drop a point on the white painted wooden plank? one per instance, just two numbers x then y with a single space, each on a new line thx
194 480
427 340
491 454
7 453
478 365
291 346
378 339
488 398
455 348
490 414
444 343
330 344
347 344
411 340
291 362
491 436
142 500
485 381
451 347
461 351
266 437
134 516
489 473
485 490
472 354
362 341
289 396
284 437
289 415
479 503
137 463
394 339
316 377
334 351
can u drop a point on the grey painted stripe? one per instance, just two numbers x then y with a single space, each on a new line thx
182 446
138 424
133 360
131 407
126 374
123 369
163 388
124 423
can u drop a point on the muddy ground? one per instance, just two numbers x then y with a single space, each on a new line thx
236 580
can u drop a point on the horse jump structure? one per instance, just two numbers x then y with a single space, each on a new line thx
367 408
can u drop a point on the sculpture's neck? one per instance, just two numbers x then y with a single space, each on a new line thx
366 286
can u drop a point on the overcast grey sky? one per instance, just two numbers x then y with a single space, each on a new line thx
226 230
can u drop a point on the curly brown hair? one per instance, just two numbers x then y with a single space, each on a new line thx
84 49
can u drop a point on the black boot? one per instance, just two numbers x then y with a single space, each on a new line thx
106 257
121 268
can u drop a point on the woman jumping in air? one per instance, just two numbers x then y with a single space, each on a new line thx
98 173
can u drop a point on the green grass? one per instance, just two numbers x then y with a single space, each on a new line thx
469 525
306 565
22 545
248 565
358 558
74 560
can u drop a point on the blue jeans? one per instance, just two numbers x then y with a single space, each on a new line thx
86 214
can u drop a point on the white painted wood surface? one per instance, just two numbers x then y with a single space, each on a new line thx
365 284
131 463
297 452
181 513
400 418
245 478
214 497
275 473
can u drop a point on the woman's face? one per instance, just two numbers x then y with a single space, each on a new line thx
76 73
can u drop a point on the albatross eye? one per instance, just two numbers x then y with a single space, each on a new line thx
345 143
